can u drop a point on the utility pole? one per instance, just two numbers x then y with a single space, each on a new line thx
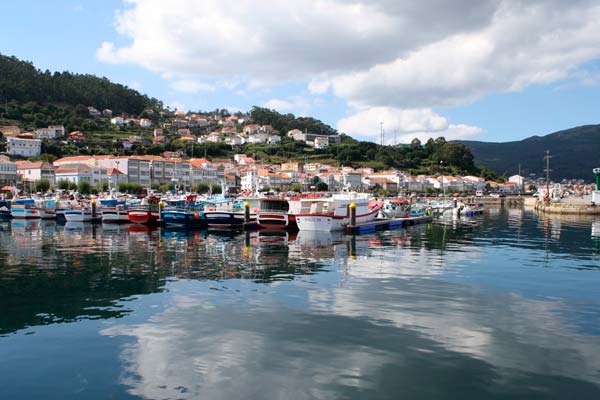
547 157
521 182
382 141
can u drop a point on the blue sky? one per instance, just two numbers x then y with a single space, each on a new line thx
491 70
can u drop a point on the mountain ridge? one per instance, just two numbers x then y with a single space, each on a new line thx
575 152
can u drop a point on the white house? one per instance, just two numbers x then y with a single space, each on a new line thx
36 170
297 134
518 180
93 112
214 137
249 181
321 142
51 132
145 123
236 140
23 147
117 121
257 138
75 174
8 171
274 139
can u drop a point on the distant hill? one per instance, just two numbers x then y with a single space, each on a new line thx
21 82
575 152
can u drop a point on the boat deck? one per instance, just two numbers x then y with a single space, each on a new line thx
383 224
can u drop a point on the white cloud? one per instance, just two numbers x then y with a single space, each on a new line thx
403 125
525 44
189 86
176 105
319 86
135 85
378 53
292 103
278 104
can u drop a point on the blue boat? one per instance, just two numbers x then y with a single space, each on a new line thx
183 218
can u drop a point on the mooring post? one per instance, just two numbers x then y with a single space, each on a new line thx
246 212
161 207
352 208
93 203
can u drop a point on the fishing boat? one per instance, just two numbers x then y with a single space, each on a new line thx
144 215
227 219
395 208
332 213
272 213
183 218
115 215
28 209
79 215
23 211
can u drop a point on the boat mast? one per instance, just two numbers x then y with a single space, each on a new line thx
548 157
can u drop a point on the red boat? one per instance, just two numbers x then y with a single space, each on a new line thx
144 215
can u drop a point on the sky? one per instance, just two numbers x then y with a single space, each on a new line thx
490 70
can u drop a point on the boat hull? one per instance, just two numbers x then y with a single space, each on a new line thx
145 217
186 219
25 213
277 220
226 220
115 217
78 216
330 223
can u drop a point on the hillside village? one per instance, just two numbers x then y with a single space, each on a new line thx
173 169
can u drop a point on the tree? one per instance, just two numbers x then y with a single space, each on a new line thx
63 184
42 185
202 188
321 187
216 189
296 187
84 187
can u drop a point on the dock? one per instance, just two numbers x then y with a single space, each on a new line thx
384 224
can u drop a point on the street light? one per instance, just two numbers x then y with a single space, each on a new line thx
442 174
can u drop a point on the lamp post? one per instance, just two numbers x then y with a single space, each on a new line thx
442 174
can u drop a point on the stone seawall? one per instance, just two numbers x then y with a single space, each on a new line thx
567 208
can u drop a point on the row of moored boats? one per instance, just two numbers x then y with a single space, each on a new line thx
311 212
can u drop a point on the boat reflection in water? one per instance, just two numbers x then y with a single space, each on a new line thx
496 307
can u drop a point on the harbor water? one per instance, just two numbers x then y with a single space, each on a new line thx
500 306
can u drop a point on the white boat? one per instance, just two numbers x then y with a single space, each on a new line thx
23 211
114 215
79 215
332 213
395 208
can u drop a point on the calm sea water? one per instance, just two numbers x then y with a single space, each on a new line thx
506 305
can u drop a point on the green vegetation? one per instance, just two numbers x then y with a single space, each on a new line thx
131 188
32 98
21 82
574 154
85 187
202 188
287 122
216 189
42 185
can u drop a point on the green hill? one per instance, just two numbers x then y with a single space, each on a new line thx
575 152
21 82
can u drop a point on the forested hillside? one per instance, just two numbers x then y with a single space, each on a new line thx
575 152
21 82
